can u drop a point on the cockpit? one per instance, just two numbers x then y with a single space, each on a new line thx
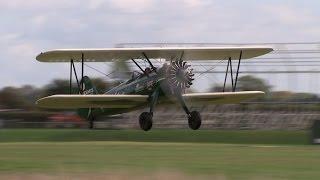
136 74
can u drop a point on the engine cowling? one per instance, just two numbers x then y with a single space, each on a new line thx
179 75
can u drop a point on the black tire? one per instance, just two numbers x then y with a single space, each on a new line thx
145 121
194 120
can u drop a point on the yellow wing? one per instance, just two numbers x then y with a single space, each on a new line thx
133 101
92 101
221 97
168 53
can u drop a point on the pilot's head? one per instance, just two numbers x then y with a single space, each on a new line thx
147 70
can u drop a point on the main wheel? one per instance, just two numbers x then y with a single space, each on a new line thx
194 120
145 121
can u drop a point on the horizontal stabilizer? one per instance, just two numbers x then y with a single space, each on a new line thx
92 101
221 97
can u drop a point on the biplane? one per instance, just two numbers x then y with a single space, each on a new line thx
151 85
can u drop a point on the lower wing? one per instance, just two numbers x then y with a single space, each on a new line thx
221 97
92 101
130 102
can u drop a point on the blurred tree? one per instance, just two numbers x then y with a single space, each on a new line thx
30 94
251 83
121 71
219 88
304 97
288 96
61 86
57 86
12 98
245 83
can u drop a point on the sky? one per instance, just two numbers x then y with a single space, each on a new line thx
30 27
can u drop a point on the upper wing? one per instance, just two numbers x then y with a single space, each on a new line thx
221 97
168 53
93 101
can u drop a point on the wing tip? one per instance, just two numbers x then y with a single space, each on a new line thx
270 49
40 57
40 103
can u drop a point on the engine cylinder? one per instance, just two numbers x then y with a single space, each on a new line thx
179 75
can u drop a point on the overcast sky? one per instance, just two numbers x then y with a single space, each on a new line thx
28 27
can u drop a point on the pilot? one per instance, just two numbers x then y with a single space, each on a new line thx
147 71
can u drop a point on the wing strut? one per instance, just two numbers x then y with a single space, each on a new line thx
73 70
154 68
75 74
235 85
182 54
233 81
70 78
138 65
225 77
231 72
82 71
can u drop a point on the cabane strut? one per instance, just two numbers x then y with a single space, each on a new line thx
145 56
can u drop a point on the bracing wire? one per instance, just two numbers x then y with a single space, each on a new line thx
97 70
208 70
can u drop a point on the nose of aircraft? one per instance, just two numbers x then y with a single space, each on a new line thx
179 75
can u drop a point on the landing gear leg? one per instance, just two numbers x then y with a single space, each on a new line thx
91 121
145 119
194 118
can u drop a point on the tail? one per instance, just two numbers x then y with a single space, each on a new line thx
88 113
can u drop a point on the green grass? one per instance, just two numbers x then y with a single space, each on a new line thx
230 154
232 161
200 136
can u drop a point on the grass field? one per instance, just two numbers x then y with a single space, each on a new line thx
159 154
201 136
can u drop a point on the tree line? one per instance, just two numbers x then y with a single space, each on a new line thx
25 97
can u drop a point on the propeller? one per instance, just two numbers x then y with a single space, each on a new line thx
179 75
